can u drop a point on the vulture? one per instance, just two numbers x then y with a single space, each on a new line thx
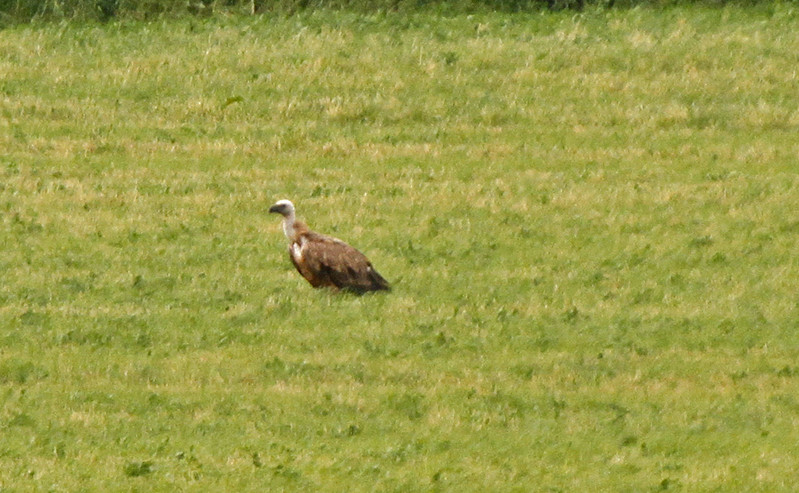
325 261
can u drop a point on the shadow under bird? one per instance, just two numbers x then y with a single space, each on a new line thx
324 261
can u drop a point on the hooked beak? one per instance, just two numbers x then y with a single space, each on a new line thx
275 208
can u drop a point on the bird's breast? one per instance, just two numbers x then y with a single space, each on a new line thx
296 251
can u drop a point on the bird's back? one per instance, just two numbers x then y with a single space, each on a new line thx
330 262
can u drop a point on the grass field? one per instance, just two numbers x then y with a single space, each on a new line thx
590 221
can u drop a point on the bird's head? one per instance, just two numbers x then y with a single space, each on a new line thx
283 207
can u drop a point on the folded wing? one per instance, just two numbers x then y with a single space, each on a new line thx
329 262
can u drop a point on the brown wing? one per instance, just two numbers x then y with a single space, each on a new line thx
327 261
302 267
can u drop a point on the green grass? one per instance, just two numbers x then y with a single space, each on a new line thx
590 223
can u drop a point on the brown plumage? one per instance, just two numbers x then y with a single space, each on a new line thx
325 261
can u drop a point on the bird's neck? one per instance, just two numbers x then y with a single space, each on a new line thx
288 225
293 228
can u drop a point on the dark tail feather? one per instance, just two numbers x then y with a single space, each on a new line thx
359 282
378 283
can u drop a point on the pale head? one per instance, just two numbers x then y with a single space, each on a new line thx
283 207
286 209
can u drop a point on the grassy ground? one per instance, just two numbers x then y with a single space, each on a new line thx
590 222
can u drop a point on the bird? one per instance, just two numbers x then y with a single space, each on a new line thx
324 261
